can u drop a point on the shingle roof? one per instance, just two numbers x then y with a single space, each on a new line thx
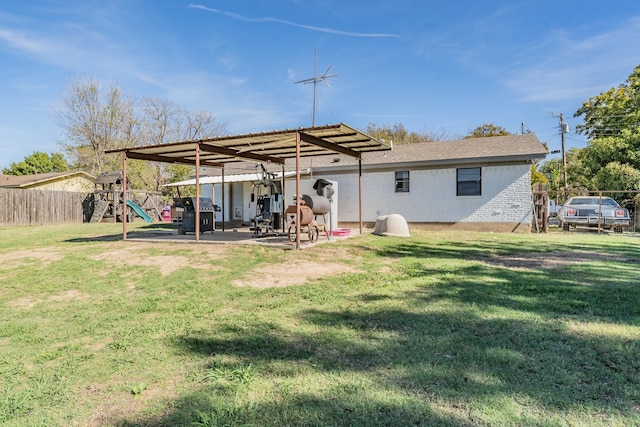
512 148
500 149
20 181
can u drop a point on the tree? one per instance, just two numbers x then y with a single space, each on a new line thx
537 176
612 112
611 122
552 170
93 121
38 162
396 134
487 130
200 124
160 121
163 121
617 176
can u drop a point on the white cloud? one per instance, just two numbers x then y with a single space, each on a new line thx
44 48
293 24
20 41
566 67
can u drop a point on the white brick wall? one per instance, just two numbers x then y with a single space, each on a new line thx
506 196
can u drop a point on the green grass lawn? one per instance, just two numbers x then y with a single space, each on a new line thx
443 328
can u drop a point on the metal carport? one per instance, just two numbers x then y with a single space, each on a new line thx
271 147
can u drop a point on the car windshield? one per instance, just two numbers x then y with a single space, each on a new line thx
577 201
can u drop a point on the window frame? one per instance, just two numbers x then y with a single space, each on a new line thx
470 191
404 181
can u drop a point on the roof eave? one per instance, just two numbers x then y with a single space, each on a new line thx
61 177
433 163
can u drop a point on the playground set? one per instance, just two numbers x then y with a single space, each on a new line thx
108 206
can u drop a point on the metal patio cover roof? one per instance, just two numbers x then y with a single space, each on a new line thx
244 177
272 146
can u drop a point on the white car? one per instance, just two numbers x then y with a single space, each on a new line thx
593 211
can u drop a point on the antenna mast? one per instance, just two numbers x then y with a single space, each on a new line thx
315 79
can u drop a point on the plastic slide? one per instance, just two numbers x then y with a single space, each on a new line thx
139 211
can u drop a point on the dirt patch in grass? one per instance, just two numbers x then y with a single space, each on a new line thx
138 255
18 258
30 302
550 260
295 272
126 407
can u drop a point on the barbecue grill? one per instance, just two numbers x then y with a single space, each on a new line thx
207 214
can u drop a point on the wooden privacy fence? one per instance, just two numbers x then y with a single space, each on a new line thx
39 207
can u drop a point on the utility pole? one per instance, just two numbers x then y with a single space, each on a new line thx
315 79
564 128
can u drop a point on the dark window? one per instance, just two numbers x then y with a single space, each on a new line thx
402 182
469 182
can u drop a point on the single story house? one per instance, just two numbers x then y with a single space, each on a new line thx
79 182
473 184
479 184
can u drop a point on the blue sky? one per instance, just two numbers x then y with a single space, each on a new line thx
432 65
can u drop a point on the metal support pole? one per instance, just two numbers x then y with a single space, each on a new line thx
223 205
298 216
115 198
282 220
360 192
197 207
599 212
124 197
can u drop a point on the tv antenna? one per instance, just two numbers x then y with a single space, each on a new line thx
315 79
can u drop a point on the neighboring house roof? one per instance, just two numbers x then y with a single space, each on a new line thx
38 179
